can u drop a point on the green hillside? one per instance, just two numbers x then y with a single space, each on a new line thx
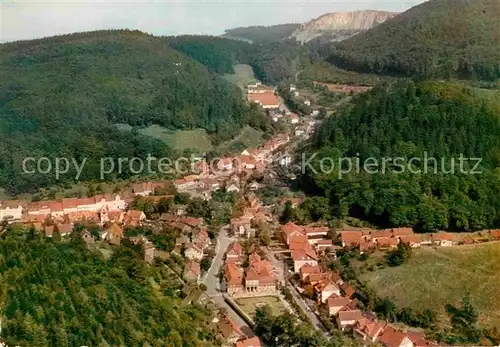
439 38
403 121
61 96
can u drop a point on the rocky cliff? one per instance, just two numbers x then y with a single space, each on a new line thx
340 25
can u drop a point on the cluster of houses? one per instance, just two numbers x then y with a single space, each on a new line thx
339 299
263 95
193 242
211 176
329 290
369 239
101 209
305 243
74 208
257 278
231 335
253 214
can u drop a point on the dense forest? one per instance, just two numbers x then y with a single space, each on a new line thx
406 120
62 96
62 294
439 39
262 34
272 62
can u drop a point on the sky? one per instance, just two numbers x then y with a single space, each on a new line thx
22 19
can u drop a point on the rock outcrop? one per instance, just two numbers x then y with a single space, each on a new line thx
340 25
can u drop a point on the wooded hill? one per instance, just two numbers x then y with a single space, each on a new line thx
439 38
61 96
262 34
62 294
408 120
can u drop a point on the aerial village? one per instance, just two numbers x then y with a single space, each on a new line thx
236 271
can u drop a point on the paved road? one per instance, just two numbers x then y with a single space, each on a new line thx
281 270
311 315
211 280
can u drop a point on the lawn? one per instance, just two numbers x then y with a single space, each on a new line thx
249 305
434 277
243 76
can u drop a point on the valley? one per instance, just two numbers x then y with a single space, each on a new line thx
325 183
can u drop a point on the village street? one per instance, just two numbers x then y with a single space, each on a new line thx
211 280
313 318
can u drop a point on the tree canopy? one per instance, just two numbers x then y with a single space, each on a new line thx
438 123
439 38
62 294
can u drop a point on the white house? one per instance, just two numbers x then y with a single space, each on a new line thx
11 210
193 252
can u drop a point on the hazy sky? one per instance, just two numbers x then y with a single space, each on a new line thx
22 19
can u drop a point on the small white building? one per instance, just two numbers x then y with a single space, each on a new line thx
11 210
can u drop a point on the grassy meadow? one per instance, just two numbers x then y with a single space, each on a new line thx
243 76
434 277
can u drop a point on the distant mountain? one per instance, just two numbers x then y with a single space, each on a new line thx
439 38
341 25
261 34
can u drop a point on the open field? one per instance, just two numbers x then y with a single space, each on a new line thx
243 76
435 277
249 305
249 137
196 139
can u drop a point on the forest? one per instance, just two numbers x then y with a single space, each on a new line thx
62 96
63 294
437 39
408 120
262 34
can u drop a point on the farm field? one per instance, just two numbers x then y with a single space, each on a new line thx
249 305
435 277
243 76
